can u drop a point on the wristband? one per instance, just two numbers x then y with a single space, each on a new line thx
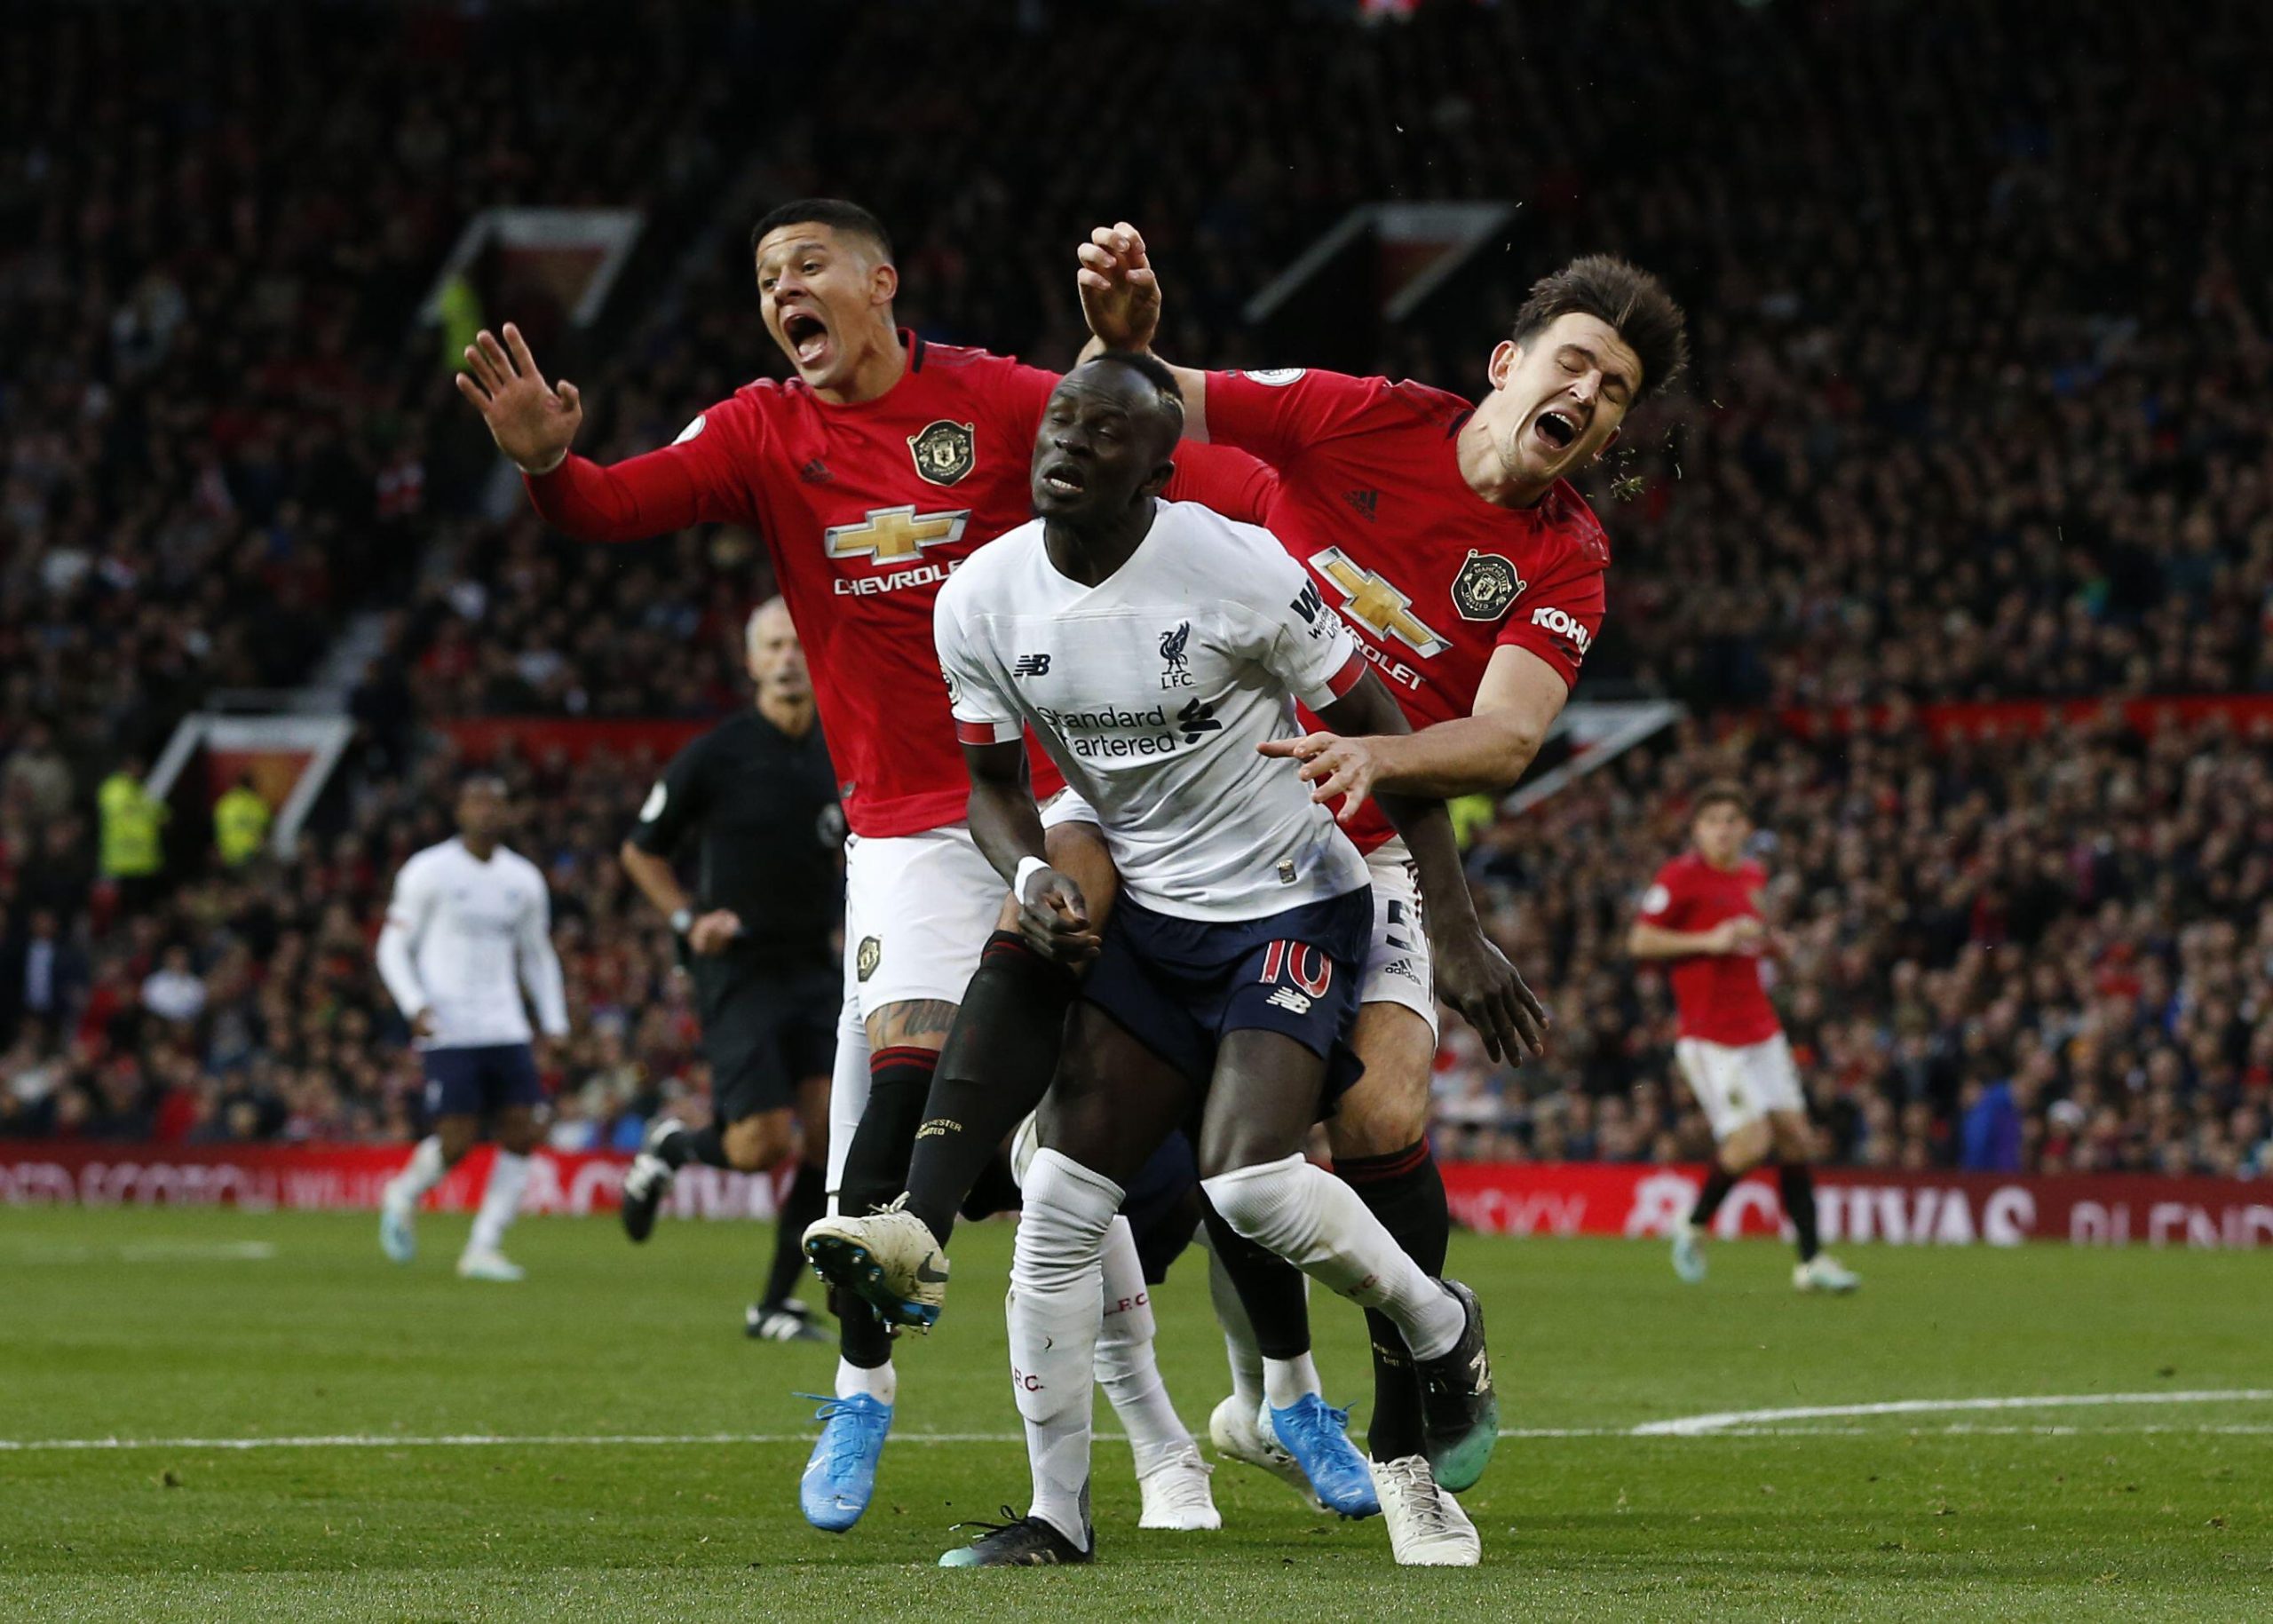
1028 867
682 921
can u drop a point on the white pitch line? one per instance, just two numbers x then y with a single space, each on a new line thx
1691 1426
147 1252
1650 1430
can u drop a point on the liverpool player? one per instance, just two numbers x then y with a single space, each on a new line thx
1226 983
883 464
1447 533
1702 916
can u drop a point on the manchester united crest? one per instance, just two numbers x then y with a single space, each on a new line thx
944 452
1485 588
871 954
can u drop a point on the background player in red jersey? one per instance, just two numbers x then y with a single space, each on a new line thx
1446 534
871 474
1702 914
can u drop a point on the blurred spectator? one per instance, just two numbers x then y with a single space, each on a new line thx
133 832
239 822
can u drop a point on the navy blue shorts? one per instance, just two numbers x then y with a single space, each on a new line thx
1179 985
1162 1206
478 1081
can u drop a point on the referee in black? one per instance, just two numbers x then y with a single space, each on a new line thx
759 796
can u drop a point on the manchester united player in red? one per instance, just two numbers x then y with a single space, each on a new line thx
1702 916
872 473
1447 535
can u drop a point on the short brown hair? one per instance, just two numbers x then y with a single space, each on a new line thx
1627 297
1720 792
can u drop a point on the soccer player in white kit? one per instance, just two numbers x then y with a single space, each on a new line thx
468 929
1153 647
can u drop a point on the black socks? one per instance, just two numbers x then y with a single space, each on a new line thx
1406 1193
1271 1289
805 1200
995 1067
702 1144
1796 1182
875 1169
1717 1185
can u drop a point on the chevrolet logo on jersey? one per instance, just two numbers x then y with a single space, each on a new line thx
1375 605
893 535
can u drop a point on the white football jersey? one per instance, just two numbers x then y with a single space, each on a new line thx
1151 692
462 939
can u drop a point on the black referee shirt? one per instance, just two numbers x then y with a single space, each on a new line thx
763 807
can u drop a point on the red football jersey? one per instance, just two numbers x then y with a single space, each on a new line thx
1430 576
865 510
1719 995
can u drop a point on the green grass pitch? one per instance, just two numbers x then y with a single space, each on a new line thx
217 1325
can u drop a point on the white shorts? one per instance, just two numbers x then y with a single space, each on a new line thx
1397 968
1742 1085
918 909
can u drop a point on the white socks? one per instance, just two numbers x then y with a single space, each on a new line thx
420 1174
1284 1382
881 1383
1125 1363
1320 1226
1056 1289
509 1175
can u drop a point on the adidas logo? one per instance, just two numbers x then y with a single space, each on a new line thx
1365 502
815 473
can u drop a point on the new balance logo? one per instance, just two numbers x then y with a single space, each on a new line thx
1310 605
1195 719
1031 665
1287 998
1365 502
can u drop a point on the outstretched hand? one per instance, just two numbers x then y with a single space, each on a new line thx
533 422
1121 296
1332 766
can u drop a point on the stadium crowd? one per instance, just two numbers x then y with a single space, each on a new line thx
1952 434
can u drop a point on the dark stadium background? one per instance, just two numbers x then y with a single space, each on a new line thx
1972 467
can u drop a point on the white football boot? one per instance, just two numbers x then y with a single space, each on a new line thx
1427 1528
488 1264
1176 1494
1238 1435
1823 1273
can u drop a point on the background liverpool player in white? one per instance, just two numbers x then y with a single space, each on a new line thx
469 926
1153 646
884 463
1702 916
1448 536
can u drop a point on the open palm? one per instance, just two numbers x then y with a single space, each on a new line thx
533 422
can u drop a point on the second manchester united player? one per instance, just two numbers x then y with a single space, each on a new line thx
1447 533
1701 915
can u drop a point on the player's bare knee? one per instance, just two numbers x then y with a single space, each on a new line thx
1387 1109
755 1142
455 1136
516 1131
1746 1148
